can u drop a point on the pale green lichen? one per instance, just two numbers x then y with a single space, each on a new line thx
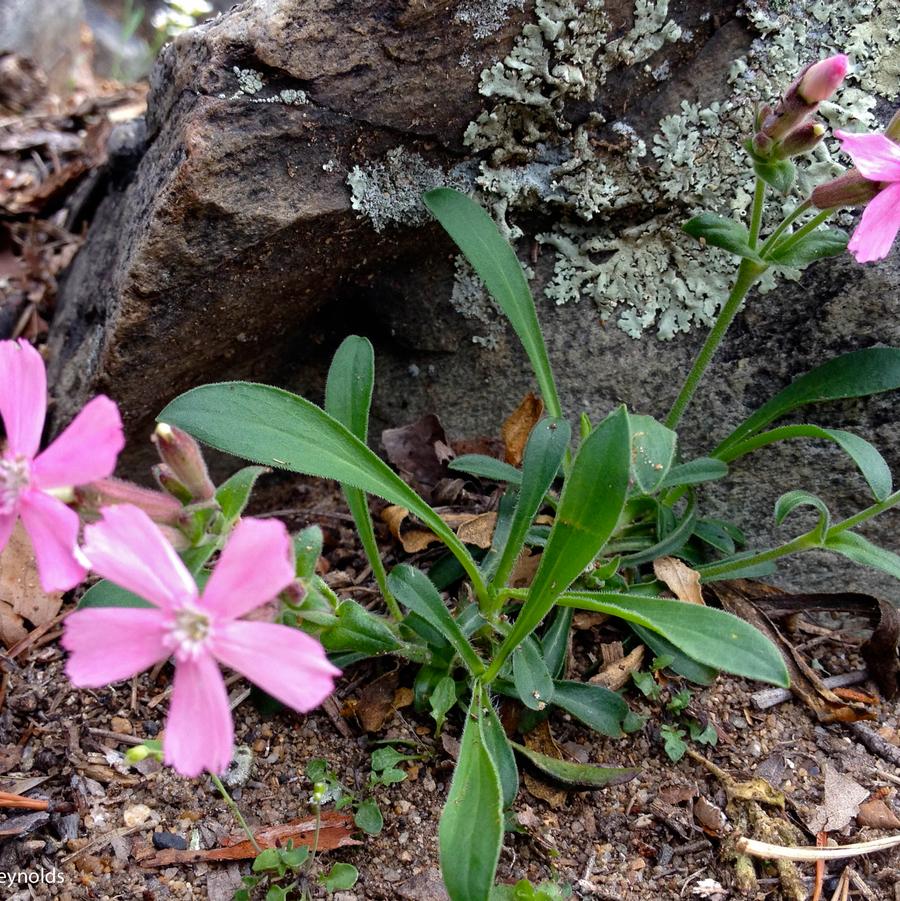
486 16
250 83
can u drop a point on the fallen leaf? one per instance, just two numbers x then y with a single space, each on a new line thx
712 819
541 739
678 794
518 426
22 600
876 814
420 451
524 571
412 540
479 530
615 675
584 619
376 702
840 802
335 831
681 580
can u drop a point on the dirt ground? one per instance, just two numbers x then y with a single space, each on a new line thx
660 836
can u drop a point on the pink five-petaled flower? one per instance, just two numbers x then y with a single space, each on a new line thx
107 644
85 451
877 158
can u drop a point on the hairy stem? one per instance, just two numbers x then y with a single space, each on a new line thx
236 811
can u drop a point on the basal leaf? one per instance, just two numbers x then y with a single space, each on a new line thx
703 469
653 452
576 775
860 550
106 594
498 746
532 679
598 707
485 467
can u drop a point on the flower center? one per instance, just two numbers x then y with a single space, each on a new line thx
14 479
189 631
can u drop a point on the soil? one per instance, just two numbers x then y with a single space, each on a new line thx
641 840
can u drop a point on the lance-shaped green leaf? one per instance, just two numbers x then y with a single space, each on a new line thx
860 550
598 707
106 594
653 452
713 637
703 469
477 236
485 467
720 232
358 630
870 462
787 503
576 775
532 679
417 592
500 750
232 495
681 663
672 541
555 641
592 500
855 374
470 833
348 398
544 454
817 245
277 428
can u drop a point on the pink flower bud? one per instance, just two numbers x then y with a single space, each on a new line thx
166 480
823 78
159 507
185 460
849 189
801 140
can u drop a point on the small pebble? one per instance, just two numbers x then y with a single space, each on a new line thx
136 815
163 841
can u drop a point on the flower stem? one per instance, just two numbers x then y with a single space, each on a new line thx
759 197
747 275
801 233
788 220
852 521
802 543
236 811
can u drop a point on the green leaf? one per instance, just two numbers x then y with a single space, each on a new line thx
544 454
870 462
778 174
277 428
499 748
673 742
592 500
106 594
232 495
555 642
703 469
855 374
789 502
531 677
484 467
672 541
682 664
267 860
477 236
340 877
750 571
598 707
359 630
653 450
307 550
368 817
720 232
442 700
860 550
471 827
715 535
713 637
276 893
817 245
416 591
294 858
577 775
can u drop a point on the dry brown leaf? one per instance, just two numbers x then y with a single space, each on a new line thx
840 803
524 571
615 675
876 814
412 540
681 580
335 830
541 739
710 817
22 600
420 451
376 702
479 530
585 619
518 426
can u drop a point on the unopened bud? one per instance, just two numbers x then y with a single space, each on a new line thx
185 460
893 128
801 140
849 189
295 593
161 508
823 78
166 480
318 795
137 753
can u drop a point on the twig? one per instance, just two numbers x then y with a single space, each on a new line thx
120 737
860 886
771 697
754 848
873 742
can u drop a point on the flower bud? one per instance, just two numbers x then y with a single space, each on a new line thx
185 459
823 78
801 140
849 189
137 753
166 480
161 508
893 128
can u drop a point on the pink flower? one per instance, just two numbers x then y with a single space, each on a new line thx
85 451
823 78
112 643
878 159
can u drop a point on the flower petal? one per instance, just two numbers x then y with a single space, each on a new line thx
23 396
53 530
107 644
285 662
199 735
85 451
878 227
128 549
252 569
876 156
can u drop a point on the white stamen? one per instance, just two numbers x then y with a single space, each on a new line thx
14 479
188 634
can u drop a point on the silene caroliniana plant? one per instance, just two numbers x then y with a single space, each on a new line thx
619 497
